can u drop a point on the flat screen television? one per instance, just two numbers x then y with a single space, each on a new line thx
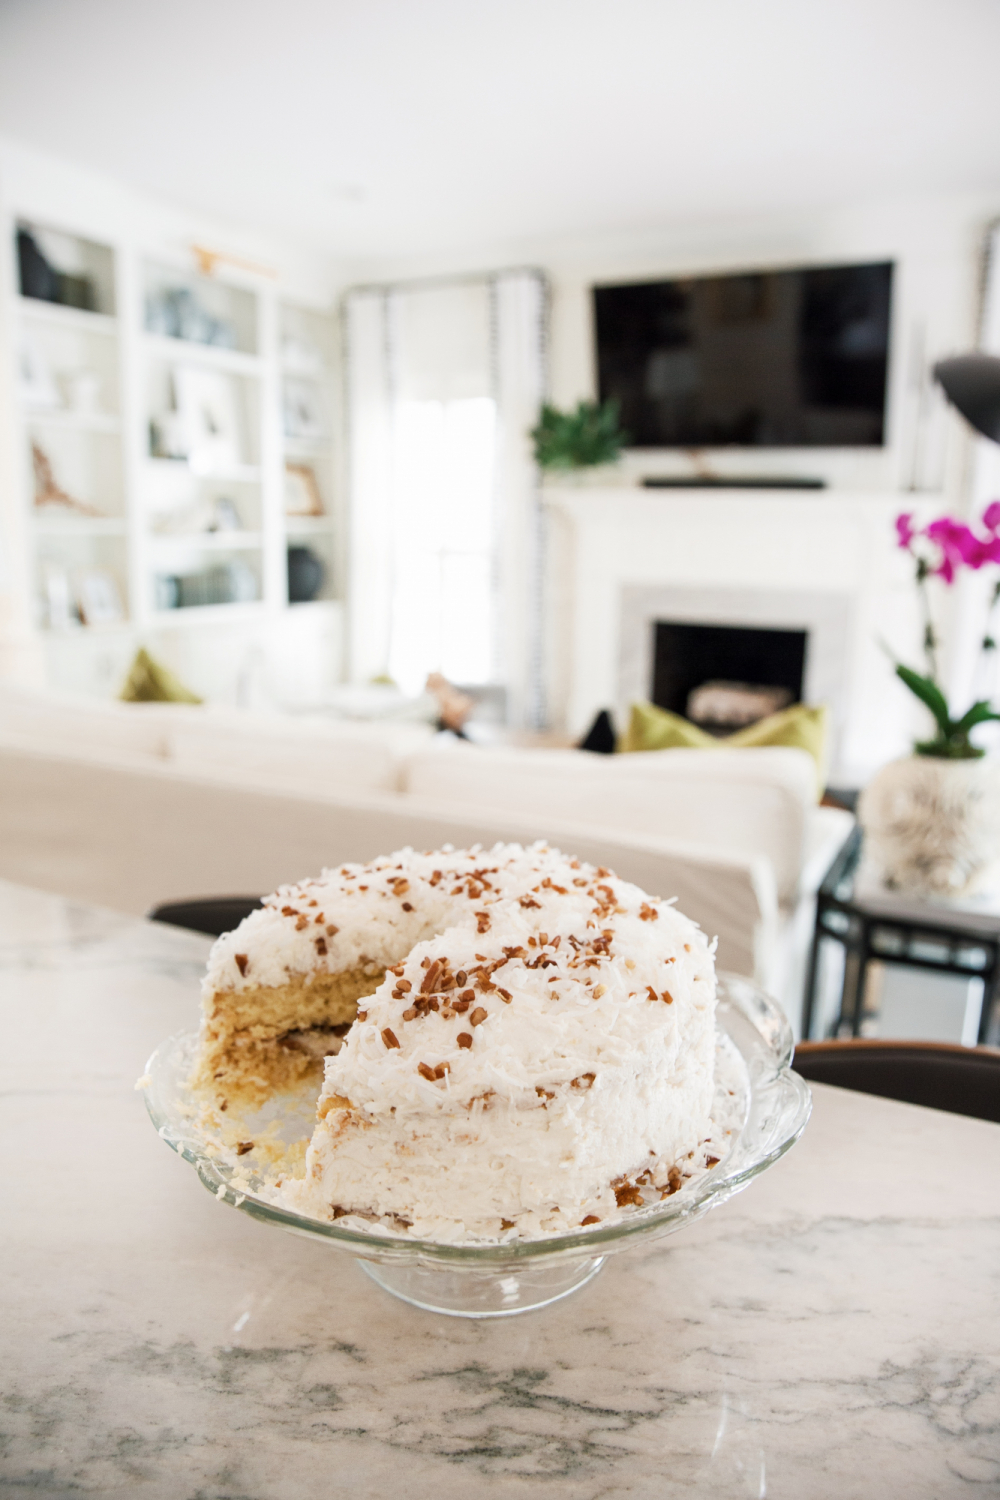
765 359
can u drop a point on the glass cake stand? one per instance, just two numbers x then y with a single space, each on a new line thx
495 1281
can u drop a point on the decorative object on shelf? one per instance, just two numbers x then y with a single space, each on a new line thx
225 516
83 391
149 681
208 412
175 312
932 820
208 260
44 282
306 572
39 390
584 438
226 583
301 355
302 496
205 517
38 278
98 598
47 492
303 410
61 612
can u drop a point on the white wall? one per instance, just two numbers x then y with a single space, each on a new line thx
936 243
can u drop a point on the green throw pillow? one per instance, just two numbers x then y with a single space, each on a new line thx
652 728
150 682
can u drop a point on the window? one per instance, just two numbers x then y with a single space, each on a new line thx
443 552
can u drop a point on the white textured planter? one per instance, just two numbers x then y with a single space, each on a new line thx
932 827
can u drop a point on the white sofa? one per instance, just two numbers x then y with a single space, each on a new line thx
130 805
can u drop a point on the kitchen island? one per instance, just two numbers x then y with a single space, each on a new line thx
832 1331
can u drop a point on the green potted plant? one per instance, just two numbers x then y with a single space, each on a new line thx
587 438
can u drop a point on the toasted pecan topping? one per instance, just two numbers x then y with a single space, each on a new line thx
464 1039
712 1161
321 947
242 963
461 978
410 1013
430 979
300 922
648 913
407 906
362 1015
590 1219
667 997
585 1081
651 992
482 922
400 887
433 1075
628 1193
389 1037
244 1147
479 1015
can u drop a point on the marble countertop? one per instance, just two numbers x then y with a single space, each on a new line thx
832 1332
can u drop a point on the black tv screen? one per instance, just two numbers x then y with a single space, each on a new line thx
771 359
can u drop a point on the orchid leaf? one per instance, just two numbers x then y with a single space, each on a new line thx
979 713
929 693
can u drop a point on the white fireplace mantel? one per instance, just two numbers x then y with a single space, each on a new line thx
824 561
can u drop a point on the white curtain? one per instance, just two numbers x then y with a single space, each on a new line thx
444 382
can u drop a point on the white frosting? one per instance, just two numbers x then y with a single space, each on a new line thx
579 1057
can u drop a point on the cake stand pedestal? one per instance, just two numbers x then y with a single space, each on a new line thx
475 1292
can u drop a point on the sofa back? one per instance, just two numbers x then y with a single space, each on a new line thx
309 753
132 835
753 802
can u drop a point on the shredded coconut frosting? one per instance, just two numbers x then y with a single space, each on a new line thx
541 1058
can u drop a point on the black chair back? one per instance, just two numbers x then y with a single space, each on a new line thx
211 914
961 1080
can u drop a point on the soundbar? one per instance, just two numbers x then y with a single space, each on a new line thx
704 482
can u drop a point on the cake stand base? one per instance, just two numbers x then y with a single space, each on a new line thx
475 1293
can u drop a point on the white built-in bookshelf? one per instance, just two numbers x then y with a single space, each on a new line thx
178 437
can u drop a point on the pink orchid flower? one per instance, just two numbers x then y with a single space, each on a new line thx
991 517
905 531
958 546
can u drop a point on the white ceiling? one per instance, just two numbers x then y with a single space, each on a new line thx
398 127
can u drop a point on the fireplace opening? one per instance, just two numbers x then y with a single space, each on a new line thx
724 677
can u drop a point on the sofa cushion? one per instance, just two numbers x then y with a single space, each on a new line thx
57 721
750 802
297 754
799 727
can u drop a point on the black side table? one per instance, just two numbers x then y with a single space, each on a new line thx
961 938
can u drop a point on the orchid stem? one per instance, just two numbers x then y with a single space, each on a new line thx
930 639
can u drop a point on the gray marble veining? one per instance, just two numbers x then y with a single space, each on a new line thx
832 1332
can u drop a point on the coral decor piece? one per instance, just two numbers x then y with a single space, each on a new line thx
932 825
